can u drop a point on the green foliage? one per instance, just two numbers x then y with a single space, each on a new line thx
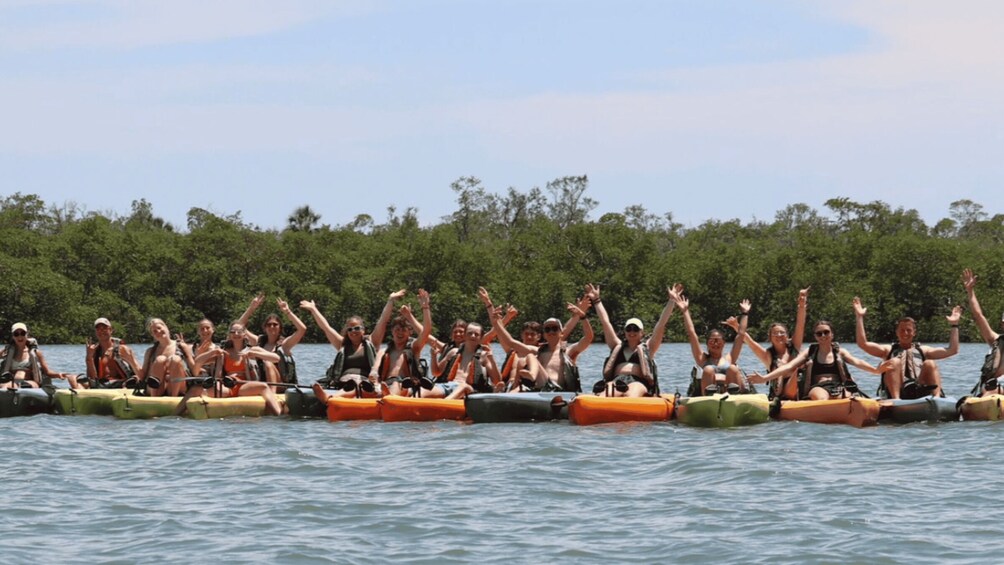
534 249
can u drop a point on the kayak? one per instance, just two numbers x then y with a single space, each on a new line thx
343 409
982 407
723 410
209 408
857 412
86 402
130 407
926 409
519 407
407 409
303 403
24 402
586 410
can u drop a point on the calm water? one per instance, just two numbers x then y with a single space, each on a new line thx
99 490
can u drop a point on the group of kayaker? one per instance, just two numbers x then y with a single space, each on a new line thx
246 364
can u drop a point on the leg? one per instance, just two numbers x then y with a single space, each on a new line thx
175 376
636 390
789 387
271 373
435 392
930 375
734 376
320 393
893 379
819 393
463 390
708 378
264 391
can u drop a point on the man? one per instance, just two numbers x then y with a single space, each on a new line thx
397 365
914 373
992 368
109 361
551 364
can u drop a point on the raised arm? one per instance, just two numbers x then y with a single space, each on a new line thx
882 367
256 302
256 352
744 317
803 307
334 338
782 370
609 335
510 313
587 333
860 338
579 313
659 331
695 344
426 325
969 282
505 339
301 328
953 338
380 329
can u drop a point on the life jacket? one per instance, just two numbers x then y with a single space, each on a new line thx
569 368
250 370
286 364
918 359
990 363
177 351
33 366
416 369
444 375
649 371
775 362
481 381
124 368
334 372
843 375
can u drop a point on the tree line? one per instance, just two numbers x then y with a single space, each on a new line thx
62 267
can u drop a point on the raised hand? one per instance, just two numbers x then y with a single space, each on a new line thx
593 292
675 292
584 303
283 307
423 298
483 295
258 300
406 310
745 306
968 279
308 305
397 295
732 322
683 303
955 316
91 348
803 296
575 309
859 310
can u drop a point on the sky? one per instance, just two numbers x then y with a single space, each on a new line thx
717 109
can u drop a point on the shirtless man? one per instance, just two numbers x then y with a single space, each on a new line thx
108 360
914 373
548 366
475 361
397 365
992 368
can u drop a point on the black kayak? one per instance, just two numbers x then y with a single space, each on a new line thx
24 402
303 403
518 407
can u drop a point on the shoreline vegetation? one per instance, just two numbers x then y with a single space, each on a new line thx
62 268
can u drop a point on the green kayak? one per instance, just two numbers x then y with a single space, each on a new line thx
723 410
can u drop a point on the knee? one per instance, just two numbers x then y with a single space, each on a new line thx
895 368
708 372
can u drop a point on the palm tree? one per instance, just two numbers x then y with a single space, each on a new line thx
303 219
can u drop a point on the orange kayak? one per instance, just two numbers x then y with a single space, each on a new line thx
857 412
407 409
343 409
586 410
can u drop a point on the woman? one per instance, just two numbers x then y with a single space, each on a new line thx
630 368
166 363
22 364
272 340
993 363
783 348
236 372
718 369
825 362
356 352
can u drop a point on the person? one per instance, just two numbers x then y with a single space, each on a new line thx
351 372
783 348
398 367
549 365
825 363
107 367
206 331
993 367
22 364
475 364
166 364
235 372
718 370
445 353
271 339
914 373
630 369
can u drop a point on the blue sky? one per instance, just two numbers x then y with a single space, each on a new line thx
708 110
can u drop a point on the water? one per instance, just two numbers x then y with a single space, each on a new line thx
99 490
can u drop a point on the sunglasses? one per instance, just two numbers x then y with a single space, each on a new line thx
20 333
357 329
272 325
551 329
237 332
632 328
821 333
779 334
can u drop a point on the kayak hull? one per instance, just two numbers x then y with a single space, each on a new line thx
347 409
983 408
209 408
303 403
520 407
723 410
406 409
24 402
857 412
586 410
926 409
86 402
129 407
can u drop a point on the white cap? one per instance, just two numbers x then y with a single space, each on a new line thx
634 322
102 321
19 326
